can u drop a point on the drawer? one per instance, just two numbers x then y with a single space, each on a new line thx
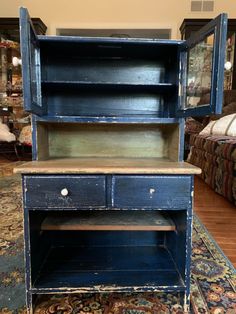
64 191
171 192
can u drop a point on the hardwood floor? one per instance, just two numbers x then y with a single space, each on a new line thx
219 217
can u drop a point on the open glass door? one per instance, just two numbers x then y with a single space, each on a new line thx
202 59
31 72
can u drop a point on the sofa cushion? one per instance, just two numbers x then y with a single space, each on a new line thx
5 134
208 129
223 126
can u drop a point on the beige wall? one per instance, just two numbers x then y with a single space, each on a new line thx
113 13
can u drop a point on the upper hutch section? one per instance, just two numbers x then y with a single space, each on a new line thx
109 77
121 78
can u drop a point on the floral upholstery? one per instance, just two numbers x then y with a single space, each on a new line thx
216 156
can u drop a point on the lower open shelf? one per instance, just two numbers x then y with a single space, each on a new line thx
109 220
108 268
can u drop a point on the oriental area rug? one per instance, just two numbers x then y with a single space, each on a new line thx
212 283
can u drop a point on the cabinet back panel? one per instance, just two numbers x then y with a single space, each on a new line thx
107 47
113 70
112 140
95 103
110 55
105 238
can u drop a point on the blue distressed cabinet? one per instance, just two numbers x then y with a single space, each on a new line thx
108 198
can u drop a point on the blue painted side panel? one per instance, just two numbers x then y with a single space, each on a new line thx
34 137
181 138
39 243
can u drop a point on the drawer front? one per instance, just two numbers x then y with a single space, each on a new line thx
64 191
171 192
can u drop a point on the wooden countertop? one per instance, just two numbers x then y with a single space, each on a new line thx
106 166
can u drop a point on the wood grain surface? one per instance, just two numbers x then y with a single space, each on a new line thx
108 165
109 220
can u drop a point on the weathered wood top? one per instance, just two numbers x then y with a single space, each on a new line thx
107 165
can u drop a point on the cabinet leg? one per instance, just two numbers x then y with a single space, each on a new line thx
29 303
186 306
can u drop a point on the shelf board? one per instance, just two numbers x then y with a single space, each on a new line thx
107 165
116 268
106 40
109 220
109 119
149 86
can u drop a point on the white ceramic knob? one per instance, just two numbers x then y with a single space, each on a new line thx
228 65
64 192
16 61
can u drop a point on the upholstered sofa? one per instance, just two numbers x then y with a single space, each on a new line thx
214 148
216 156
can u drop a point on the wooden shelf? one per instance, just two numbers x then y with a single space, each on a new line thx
135 119
124 86
109 220
108 165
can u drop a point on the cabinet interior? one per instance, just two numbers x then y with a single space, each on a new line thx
88 258
109 79
78 140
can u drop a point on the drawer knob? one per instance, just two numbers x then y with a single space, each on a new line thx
64 192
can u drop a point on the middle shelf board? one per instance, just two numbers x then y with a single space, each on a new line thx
125 119
109 220
106 85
